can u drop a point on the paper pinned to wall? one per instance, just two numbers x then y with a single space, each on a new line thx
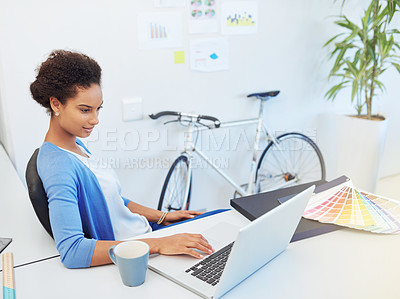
209 55
239 17
160 30
203 16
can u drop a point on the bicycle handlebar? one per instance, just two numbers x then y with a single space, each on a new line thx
198 117
216 121
164 113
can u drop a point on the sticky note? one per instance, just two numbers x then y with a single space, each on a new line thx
179 57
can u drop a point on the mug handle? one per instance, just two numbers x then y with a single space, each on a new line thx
111 254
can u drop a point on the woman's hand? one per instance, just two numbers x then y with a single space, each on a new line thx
181 244
177 216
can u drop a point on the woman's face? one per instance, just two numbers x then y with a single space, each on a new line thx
80 114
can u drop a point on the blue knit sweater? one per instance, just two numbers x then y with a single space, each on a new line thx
78 210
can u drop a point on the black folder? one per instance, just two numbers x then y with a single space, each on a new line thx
254 206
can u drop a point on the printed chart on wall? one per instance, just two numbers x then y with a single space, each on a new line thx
160 30
347 206
239 17
203 16
209 55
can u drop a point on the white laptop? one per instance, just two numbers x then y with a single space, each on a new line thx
254 245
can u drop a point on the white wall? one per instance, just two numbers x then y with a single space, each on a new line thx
5 138
286 54
2 122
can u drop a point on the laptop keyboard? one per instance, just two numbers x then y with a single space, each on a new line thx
210 269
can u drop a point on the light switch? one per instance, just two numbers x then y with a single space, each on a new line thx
132 109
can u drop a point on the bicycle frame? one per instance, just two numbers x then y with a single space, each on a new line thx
190 148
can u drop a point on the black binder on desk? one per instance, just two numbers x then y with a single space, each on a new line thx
254 206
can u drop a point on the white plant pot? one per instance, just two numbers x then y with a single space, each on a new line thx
359 145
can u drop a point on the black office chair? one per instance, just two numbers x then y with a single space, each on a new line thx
37 194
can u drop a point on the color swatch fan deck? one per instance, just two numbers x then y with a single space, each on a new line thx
346 206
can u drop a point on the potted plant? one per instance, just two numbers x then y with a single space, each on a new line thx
362 53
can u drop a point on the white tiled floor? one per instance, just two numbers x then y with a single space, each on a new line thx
389 187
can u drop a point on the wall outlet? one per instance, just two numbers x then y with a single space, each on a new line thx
132 109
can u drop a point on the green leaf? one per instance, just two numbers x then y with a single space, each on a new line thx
359 109
357 57
352 35
339 61
380 85
367 15
332 39
332 93
391 8
397 66
371 52
353 69
346 23
354 89
380 18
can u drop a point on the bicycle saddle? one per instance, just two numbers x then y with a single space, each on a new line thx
264 95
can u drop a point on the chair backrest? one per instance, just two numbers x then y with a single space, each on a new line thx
37 194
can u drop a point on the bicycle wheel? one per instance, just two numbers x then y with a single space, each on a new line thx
295 159
175 194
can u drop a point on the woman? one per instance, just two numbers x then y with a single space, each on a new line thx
87 212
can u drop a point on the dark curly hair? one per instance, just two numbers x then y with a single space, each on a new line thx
61 75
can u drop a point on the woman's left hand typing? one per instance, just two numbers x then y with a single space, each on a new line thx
177 216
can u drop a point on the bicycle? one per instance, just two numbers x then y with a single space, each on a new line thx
288 159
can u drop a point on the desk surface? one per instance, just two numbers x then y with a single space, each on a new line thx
18 219
55 281
341 264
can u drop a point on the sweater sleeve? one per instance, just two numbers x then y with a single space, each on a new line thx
61 184
126 201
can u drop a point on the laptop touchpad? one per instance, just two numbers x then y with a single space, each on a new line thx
221 234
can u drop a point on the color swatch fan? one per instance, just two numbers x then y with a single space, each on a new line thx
346 206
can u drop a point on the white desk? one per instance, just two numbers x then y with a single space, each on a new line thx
18 219
50 279
341 264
